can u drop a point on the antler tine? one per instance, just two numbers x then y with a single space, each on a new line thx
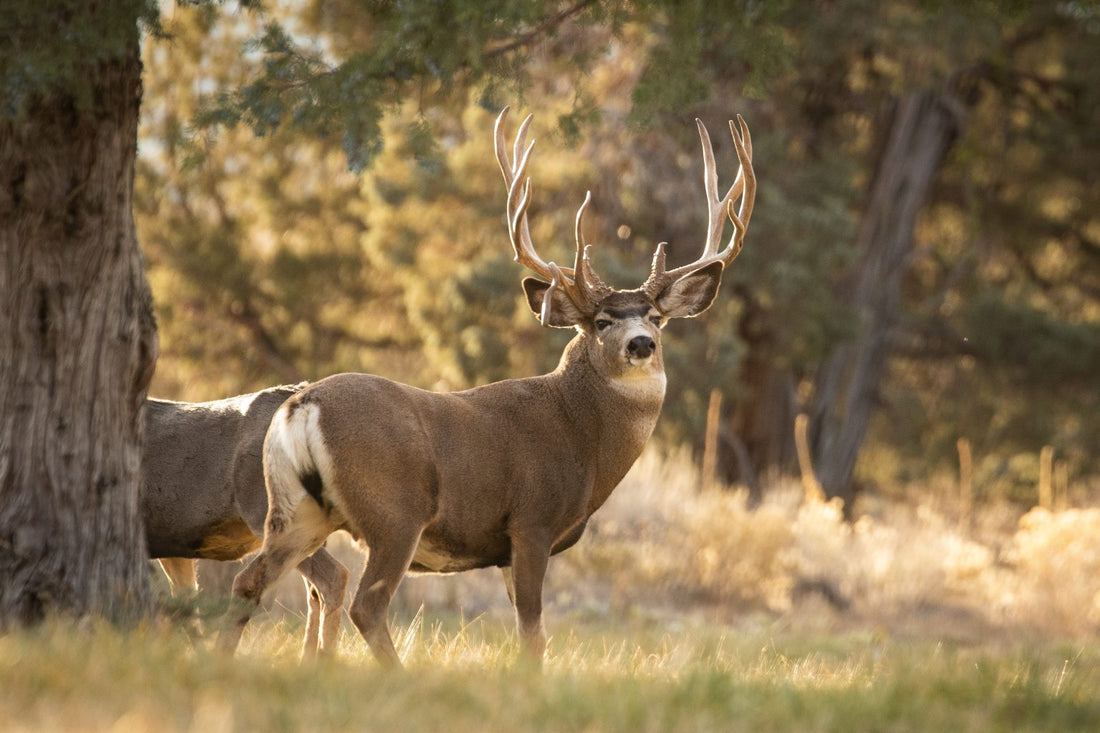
744 185
710 186
519 195
507 168
500 149
580 283
586 279
717 208
520 232
578 228
521 139
743 145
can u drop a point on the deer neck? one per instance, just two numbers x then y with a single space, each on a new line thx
613 416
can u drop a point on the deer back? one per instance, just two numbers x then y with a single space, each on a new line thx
202 492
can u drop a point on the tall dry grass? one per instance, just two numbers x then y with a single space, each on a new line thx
665 540
669 548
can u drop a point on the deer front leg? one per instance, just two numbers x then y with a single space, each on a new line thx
530 555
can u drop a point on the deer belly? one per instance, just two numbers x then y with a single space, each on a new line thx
440 556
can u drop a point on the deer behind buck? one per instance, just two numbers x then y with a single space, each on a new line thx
506 474
202 496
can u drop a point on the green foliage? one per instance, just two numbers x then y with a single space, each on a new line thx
698 45
1004 299
252 245
409 50
272 262
1030 345
48 47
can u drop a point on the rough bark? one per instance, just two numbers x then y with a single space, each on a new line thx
919 132
756 443
761 426
77 349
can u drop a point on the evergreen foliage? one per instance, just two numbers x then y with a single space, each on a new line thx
38 58
271 261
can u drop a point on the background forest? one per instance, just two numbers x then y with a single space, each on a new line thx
923 266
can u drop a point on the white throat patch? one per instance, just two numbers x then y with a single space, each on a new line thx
642 385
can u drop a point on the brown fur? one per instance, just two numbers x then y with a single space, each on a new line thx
500 475
506 474
203 496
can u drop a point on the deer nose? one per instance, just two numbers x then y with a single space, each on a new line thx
640 347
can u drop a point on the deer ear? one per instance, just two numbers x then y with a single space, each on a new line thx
562 313
691 294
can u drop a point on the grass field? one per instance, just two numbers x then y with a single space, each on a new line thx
633 677
681 610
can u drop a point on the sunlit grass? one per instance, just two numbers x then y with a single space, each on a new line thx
683 609
466 675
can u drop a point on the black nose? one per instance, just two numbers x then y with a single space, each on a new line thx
640 347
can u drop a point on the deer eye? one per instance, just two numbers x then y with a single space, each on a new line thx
656 320
602 323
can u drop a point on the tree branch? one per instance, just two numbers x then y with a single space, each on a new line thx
527 37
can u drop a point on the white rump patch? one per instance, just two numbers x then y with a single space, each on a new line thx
294 448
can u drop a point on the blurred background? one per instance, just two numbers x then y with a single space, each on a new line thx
920 279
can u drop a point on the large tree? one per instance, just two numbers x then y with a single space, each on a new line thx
77 337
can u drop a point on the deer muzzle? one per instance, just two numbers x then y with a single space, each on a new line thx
641 347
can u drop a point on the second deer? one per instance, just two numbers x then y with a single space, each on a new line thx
503 475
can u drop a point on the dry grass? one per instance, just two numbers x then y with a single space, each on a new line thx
665 547
681 610
629 677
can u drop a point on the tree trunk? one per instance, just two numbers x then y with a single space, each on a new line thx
920 130
761 425
757 439
77 350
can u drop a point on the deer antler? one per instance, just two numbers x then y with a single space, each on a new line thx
717 211
581 283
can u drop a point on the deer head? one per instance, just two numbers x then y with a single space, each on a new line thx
621 328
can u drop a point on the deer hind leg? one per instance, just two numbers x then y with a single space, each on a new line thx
509 584
390 556
287 542
315 605
326 584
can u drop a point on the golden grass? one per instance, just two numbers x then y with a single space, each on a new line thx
681 610
637 677
668 547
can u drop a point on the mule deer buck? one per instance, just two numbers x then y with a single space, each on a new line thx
506 474
203 496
